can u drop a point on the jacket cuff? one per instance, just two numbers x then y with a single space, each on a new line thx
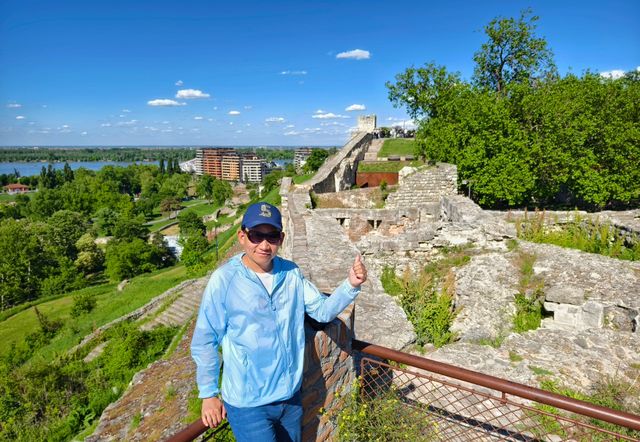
205 393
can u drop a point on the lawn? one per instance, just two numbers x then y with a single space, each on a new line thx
299 179
111 304
397 147
386 166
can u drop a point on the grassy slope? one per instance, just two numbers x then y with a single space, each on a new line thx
397 146
111 304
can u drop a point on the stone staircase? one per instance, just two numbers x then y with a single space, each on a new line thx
183 308
374 148
424 185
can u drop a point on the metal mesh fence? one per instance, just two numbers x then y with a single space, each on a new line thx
392 403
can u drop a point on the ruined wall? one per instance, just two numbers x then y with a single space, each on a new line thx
328 365
424 185
339 172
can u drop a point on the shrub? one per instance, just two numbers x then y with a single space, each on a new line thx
82 303
382 416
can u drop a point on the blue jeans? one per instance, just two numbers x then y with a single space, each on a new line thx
279 421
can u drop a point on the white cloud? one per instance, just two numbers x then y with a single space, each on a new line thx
356 54
239 131
215 107
105 125
126 111
293 73
291 133
276 120
355 107
14 105
127 123
289 126
248 107
189 94
84 133
179 83
122 115
332 123
234 112
320 111
166 122
198 118
328 116
20 117
614 74
164 102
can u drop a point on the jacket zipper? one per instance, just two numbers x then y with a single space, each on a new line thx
275 319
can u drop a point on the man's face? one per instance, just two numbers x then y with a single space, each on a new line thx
260 245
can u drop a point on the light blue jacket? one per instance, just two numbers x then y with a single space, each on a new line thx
262 336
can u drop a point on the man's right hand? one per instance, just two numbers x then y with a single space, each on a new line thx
213 412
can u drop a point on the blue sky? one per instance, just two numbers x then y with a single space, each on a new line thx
255 73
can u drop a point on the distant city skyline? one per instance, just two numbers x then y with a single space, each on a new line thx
249 73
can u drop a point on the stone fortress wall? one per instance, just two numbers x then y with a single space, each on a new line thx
591 299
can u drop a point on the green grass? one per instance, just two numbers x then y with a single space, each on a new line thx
299 179
111 304
386 166
539 371
5 198
397 147
582 234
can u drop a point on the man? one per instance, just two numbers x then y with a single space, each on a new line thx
254 308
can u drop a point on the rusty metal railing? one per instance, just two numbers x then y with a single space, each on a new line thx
436 401
455 404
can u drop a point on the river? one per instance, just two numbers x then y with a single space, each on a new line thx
33 168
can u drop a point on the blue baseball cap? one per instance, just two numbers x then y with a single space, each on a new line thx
262 213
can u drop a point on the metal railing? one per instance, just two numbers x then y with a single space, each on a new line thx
438 401
456 404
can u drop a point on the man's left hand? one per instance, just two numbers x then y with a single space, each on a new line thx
357 273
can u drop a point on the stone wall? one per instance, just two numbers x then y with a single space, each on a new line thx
339 172
424 185
328 369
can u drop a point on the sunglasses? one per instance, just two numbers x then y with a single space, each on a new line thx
257 237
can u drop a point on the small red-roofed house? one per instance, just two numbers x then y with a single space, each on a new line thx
15 188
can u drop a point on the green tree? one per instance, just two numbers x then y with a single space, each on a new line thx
130 228
67 172
125 259
194 248
204 188
191 224
170 204
23 263
90 257
315 160
426 92
66 227
513 54
222 191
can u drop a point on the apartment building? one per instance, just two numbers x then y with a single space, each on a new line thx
226 164
253 169
209 160
300 156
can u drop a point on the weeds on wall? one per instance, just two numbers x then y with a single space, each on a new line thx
579 233
530 296
427 297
